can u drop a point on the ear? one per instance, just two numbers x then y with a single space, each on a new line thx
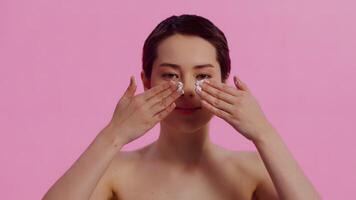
146 82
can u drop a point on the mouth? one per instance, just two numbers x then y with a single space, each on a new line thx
187 110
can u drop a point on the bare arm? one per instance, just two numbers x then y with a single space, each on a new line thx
134 115
81 179
288 178
241 110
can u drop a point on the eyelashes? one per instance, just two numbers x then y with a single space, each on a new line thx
169 75
173 75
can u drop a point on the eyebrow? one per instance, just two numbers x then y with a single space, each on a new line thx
175 66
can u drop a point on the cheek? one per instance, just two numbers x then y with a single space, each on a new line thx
217 76
157 81
156 77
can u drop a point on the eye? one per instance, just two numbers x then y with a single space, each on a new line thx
203 76
169 75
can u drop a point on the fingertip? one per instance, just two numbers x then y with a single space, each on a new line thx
235 79
133 80
131 89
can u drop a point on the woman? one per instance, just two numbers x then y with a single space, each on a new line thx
190 52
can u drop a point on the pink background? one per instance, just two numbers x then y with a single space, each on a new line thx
65 64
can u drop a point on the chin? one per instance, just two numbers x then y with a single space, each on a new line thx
187 123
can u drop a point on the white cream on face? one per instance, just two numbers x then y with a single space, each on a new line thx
198 84
180 87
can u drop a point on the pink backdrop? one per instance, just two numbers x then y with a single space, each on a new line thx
64 65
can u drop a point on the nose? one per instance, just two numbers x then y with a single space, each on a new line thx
189 87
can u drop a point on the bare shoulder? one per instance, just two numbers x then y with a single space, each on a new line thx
106 187
124 163
118 171
247 159
250 163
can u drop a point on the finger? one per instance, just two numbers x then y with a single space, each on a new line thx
130 91
132 87
218 112
217 103
240 85
157 89
164 103
160 96
220 94
221 86
163 114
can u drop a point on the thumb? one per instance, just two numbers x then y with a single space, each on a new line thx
240 85
125 99
131 89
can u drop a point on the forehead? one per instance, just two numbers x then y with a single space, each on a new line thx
186 50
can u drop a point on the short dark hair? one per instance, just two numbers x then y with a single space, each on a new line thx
187 25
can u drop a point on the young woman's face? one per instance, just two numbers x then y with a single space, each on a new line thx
186 59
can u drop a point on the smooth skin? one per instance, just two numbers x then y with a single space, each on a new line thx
183 163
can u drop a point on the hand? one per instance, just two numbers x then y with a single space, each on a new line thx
237 106
135 115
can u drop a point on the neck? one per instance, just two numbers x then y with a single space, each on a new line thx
182 148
